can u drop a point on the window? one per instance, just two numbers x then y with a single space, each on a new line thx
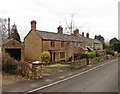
62 43
62 55
78 45
52 43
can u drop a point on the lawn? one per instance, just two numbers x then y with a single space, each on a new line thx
54 68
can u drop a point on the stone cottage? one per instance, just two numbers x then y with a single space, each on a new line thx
61 46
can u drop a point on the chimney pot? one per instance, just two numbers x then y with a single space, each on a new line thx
33 25
87 35
76 32
83 34
60 30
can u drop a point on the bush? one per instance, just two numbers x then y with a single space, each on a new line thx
9 64
110 52
12 66
88 55
83 56
23 68
45 56
116 46
91 54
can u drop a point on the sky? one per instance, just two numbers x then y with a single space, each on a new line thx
97 17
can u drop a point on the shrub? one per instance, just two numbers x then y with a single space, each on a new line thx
70 59
12 66
91 54
9 64
75 58
23 68
45 56
111 52
88 55
83 56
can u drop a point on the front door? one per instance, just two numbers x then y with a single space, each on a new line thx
53 56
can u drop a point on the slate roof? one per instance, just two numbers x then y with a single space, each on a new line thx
95 40
89 40
65 37
86 40
61 37
6 40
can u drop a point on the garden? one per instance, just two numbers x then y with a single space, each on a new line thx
21 70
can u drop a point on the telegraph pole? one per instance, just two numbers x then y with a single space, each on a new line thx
71 31
9 28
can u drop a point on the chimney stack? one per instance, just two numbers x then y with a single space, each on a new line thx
87 35
33 25
83 34
76 32
60 30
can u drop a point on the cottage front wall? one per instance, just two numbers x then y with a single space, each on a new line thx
55 51
46 45
69 50
33 46
101 45
82 45
98 46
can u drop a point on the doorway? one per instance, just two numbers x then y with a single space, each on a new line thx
14 53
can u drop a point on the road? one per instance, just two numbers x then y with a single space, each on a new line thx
100 79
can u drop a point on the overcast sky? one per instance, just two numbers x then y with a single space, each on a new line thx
98 17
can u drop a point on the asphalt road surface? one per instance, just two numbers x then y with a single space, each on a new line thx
100 79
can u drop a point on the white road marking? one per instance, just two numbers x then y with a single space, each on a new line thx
57 82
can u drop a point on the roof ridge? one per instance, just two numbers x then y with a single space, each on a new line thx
51 32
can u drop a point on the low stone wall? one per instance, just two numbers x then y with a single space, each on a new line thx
37 73
82 63
78 64
93 60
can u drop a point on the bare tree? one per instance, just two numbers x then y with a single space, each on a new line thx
3 29
70 27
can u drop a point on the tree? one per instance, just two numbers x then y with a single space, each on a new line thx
14 33
113 40
101 38
45 56
3 29
116 46
70 27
